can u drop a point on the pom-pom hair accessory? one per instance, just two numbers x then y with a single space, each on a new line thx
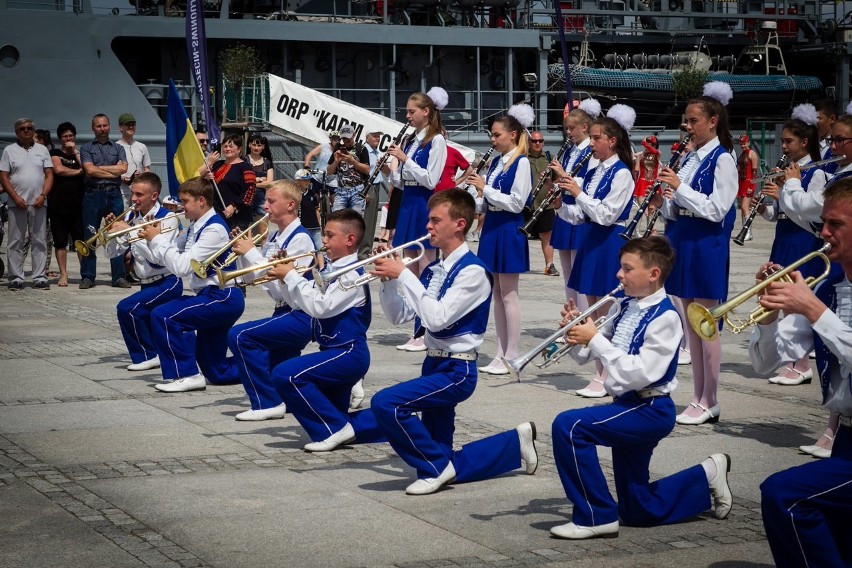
720 91
523 113
624 115
591 107
807 113
439 97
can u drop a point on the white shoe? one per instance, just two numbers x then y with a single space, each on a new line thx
590 393
576 532
345 435
719 488
145 365
529 455
432 484
801 378
710 415
356 397
684 357
820 452
273 413
417 344
195 382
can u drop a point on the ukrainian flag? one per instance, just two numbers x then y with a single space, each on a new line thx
184 155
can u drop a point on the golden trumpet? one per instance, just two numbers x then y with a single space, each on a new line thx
116 234
90 244
225 277
705 321
200 266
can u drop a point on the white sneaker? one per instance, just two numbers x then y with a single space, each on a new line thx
723 500
145 365
577 532
432 484
195 382
356 397
273 413
529 455
345 435
684 357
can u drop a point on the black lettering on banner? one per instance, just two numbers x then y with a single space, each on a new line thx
385 142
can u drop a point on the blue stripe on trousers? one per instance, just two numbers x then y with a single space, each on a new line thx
632 428
806 509
316 387
192 332
134 313
259 346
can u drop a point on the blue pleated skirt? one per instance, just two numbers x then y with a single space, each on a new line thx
702 257
413 215
502 246
562 235
594 271
791 243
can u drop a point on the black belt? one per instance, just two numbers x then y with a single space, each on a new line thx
845 421
103 185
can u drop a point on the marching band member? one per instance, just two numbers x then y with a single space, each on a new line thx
602 206
316 387
158 284
502 247
638 349
826 115
192 331
453 304
800 205
646 166
259 346
566 237
806 508
421 162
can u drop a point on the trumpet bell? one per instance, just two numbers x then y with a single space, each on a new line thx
702 321
514 366
82 248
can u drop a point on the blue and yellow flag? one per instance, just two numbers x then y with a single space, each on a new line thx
184 155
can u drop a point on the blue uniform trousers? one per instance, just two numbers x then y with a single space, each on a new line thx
134 314
632 427
806 509
426 443
194 329
259 346
316 387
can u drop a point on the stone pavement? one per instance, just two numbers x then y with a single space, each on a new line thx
99 469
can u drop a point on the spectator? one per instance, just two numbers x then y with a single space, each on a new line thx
539 162
42 136
65 207
104 162
323 183
26 174
351 164
235 181
138 158
259 158
371 210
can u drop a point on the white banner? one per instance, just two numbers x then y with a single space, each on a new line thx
311 114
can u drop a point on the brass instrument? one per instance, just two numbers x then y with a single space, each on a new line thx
200 266
551 195
630 231
380 163
323 280
116 234
225 277
808 166
704 321
741 236
549 350
90 244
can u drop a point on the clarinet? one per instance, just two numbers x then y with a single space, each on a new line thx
380 163
483 161
652 191
741 236
555 191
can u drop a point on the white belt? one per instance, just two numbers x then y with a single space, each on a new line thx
845 421
681 212
649 393
410 182
466 356
782 216
155 278
496 208
614 224
281 304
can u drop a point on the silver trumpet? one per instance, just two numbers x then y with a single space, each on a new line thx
323 281
550 351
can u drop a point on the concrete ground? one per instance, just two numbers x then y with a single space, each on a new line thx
99 469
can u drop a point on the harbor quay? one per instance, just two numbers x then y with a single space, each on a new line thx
97 468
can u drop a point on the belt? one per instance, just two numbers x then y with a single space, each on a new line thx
152 279
782 216
845 421
103 185
281 304
615 224
410 182
440 353
496 208
681 212
649 393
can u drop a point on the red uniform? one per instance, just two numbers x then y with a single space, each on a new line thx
745 170
455 162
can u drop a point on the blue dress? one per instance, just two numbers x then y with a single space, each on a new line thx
594 271
566 236
792 242
503 248
413 211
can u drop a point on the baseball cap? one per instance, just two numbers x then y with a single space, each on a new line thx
347 132
302 174
125 118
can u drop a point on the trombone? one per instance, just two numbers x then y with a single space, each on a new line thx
200 266
704 321
116 234
225 277
323 280
549 350
90 244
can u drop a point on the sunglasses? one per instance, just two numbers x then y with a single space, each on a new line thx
536 141
25 128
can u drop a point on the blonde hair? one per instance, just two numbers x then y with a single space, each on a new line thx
289 190
434 127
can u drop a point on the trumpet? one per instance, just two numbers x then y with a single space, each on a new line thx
380 163
116 234
225 277
90 244
322 281
200 266
630 231
704 321
741 236
549 350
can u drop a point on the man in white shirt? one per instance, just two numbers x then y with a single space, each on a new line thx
138 158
